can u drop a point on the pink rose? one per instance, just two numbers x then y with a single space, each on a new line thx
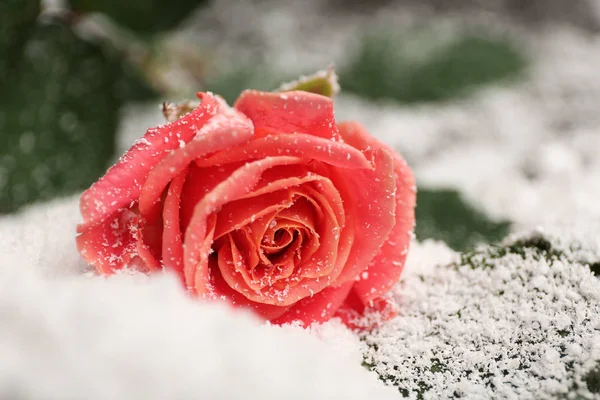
271 205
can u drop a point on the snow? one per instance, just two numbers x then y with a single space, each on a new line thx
42 239
71 335
512 327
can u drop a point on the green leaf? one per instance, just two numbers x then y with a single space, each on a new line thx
467 63
445 215
142 16
384 68
595 268
257 76
592 380
322 82
58 115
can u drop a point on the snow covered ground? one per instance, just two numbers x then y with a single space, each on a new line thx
526 153
514 323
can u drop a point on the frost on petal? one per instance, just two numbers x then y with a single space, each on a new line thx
289 112
221 290
227 129
238 184
116 243
172 246
122 183
369 200
297 145
239 213
234 269
318 308
385 269
355 314
198 183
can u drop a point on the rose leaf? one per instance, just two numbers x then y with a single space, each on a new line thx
384 67
58 109
445 215
592 380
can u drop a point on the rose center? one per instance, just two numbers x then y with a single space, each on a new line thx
275 246
277 240
276 250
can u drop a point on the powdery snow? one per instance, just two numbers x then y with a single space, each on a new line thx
42 238
491 327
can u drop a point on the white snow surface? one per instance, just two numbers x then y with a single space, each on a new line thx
507 331
66 334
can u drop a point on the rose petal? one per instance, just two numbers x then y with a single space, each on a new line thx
284 255
370 205
270 197
298 215
226 129
172 247
196 271
278 238
116 243
295 144
234 270
355 315
122 183
238 275
149 237
198 183
149 242
241 182
235 214
318 308
323 263
256 230
223 291
295 111
385 269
